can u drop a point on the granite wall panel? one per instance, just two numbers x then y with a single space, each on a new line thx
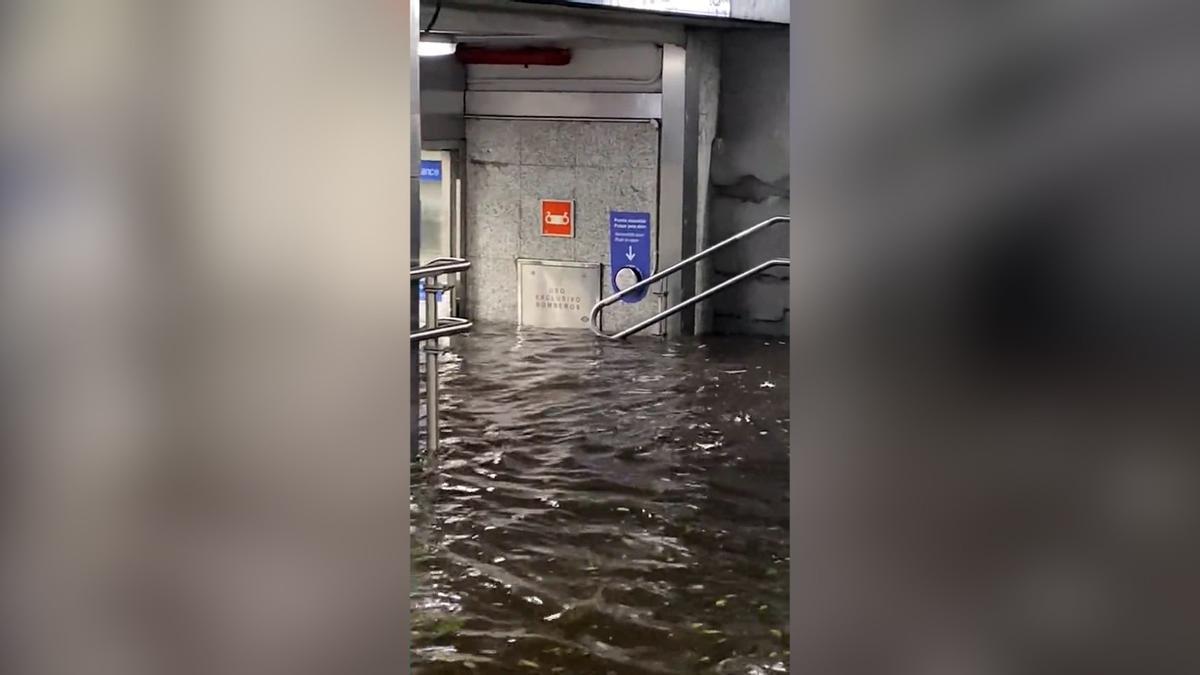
513 164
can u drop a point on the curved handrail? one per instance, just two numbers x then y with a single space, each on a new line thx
594 315
447 325
439 266
767 264
435 328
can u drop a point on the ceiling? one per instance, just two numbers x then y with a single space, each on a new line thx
509 22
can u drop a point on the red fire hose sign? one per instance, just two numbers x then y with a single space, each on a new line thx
558 218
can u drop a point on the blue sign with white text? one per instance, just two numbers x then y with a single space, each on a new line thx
431 170
629 241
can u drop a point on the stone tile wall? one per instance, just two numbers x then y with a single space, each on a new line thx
513 164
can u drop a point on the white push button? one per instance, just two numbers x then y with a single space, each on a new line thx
626 277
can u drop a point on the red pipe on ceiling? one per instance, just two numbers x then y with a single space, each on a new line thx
530 56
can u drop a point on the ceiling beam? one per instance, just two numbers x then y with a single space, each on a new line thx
552 22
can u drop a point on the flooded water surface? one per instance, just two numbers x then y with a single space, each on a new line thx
604 507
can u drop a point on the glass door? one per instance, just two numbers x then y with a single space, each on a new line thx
439 220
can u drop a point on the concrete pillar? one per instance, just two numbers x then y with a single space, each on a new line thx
705 48
677 183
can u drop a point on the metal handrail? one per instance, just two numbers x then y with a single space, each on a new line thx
447 325
594 316
439 266
774 262
436 327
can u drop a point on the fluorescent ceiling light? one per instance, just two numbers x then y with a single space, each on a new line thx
432 48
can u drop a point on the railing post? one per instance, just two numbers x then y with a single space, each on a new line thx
452 325
431 366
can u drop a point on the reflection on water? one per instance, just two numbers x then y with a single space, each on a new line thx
604 507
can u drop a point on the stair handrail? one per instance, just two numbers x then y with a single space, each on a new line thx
435 327
446 325
438 267
594 315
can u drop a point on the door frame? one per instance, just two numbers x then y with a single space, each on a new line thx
453 166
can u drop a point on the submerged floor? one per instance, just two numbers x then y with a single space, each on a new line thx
601 507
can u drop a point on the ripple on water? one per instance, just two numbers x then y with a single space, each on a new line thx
603 507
